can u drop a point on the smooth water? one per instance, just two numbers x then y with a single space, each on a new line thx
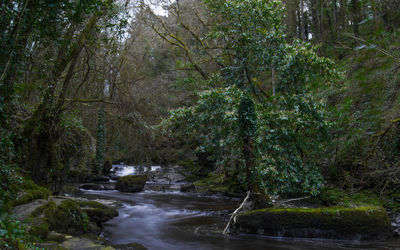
175 220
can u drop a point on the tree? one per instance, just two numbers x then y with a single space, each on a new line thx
254 44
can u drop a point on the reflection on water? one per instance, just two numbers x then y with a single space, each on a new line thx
174 220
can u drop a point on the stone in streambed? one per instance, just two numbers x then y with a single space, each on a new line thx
188 187
131 246
131 183
84 243
92 186
361 223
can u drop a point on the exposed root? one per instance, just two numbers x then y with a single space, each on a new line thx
235 213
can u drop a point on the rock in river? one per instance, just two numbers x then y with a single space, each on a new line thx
92 186
190 187
131 183
361 223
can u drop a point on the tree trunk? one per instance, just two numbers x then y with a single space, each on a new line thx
356 8
44 129
247 120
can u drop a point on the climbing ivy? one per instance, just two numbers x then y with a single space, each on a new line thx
100 140
271 134
288 135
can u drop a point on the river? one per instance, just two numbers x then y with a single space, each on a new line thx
175 220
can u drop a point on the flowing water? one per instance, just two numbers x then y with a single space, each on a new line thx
175 220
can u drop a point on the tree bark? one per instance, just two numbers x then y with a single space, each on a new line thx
247 120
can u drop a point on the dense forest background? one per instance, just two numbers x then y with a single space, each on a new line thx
87 83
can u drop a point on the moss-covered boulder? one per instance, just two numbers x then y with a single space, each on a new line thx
361 223
29 191
98 212
131 183
64 218
73 217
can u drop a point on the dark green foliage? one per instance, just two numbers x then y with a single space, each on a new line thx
291 132
14 234
247 116
100 140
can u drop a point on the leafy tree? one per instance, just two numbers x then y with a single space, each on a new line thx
268 134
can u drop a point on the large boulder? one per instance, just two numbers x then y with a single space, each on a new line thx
98 212
131 183
361 223
68 216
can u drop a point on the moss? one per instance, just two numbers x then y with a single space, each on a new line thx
65 218
213 184
100 215
334 196
368 222
131 183
92 204
29 191
39 228
71 217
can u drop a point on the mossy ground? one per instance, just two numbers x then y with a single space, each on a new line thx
215 183
332 196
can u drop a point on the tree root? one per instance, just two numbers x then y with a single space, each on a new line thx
235 213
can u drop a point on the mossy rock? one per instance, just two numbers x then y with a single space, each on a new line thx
361 223
29 191
39 227
98 212
64 218
71 190
84 243
131 183
73 217
55 237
